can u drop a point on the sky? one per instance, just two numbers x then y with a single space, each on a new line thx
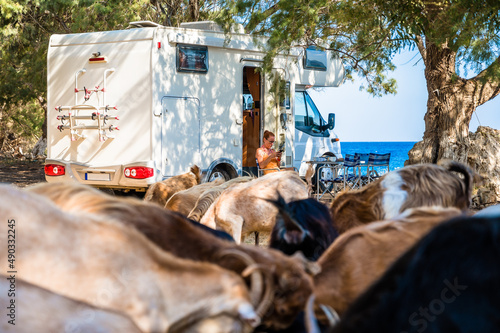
400 117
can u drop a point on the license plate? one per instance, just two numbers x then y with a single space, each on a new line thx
98 176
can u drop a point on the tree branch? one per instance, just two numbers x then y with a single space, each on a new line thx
488 87
268 12
421 48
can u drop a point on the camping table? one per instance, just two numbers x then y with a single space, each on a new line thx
334 167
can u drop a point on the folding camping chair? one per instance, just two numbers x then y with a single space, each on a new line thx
363 167
350 175
260 172
378 165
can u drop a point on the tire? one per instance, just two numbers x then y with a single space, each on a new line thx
315 176
315 179
219 173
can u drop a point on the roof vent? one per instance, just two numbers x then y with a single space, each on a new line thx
202 25
212 26
143 24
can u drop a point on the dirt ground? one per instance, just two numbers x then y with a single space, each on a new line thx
21 172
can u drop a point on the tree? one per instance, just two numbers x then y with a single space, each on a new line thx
453 37
25 29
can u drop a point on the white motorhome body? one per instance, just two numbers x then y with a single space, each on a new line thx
132 107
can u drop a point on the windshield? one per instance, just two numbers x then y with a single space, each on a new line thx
307 116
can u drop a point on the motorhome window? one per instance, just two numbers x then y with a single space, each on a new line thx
307 116
300 111
192 59
285 100
315 59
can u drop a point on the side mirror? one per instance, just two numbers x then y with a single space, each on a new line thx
331 120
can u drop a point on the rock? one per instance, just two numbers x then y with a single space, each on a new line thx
484 158
39 148
486 196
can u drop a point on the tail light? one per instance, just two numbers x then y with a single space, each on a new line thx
139 172
55 170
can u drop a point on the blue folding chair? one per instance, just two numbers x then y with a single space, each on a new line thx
363 167
378 165
351 172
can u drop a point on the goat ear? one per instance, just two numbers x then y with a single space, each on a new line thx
311 267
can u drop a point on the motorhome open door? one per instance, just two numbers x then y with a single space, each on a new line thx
252 85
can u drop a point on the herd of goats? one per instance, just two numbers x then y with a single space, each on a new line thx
403 254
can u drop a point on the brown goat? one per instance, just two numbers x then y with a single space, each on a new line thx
246 208
208 197
44 311
411 186
162 191
288 282
105 263
361 255
184 201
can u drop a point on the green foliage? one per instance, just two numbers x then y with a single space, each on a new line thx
28 120
367 34
25 29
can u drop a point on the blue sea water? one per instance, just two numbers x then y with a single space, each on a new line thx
398 150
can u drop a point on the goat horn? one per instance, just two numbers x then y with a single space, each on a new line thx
267 298
331 315
288 218
255 278
310 320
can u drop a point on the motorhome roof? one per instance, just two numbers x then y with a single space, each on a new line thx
143 24
101 37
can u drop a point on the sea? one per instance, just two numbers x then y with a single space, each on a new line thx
398 149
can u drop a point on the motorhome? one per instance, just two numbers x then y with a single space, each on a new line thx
128 108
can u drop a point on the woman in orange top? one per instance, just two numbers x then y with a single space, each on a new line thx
266 155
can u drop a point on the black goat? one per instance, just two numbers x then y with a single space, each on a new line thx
306 226
302 225
447 282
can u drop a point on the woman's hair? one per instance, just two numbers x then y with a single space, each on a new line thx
267 134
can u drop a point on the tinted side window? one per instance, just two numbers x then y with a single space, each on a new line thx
300 110
315 59
192 59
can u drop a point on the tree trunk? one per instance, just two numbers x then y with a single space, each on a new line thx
451 102
450 105
194 10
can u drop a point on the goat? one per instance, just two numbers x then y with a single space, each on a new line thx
302 225
244 208
396 191
361 255
108 264
447 282
209 196
287 281
43 311
160 192
490 211
185 200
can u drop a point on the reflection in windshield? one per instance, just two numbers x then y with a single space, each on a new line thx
307 116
